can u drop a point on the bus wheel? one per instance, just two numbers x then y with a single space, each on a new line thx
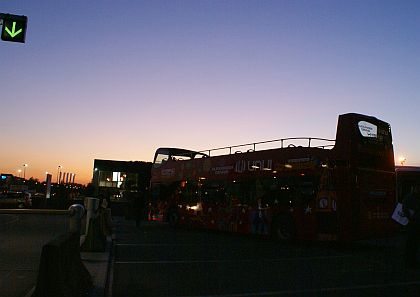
173 218
283 228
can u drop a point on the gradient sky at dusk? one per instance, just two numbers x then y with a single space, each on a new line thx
117 79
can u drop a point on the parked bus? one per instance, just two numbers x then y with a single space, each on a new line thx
406 178
294 188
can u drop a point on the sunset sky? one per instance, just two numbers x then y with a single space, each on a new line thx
118 79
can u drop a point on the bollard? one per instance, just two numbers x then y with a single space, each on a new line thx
61 271
77 211
92 205
94 240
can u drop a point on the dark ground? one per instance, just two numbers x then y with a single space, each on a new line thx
156 260
22 238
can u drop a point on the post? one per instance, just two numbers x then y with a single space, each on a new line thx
48 186
77 211
91 204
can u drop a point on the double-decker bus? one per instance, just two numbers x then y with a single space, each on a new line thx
406 178
294 188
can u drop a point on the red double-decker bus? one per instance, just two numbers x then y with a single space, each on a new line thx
293 188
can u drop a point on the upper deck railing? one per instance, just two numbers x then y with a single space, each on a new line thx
321 143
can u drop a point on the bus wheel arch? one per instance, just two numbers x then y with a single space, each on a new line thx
283 228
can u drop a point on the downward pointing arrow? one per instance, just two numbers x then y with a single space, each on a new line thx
13 33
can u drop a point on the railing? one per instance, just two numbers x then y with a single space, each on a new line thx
75 211
284 142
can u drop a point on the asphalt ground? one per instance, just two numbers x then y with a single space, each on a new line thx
156 260
22 238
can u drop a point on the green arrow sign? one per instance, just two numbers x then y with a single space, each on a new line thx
13 33
14 27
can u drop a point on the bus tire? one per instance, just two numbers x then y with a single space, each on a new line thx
283 228
173 218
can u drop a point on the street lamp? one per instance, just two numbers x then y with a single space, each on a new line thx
402 160
24 170
20 171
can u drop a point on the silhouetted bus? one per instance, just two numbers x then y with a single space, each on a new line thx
406 178
293 188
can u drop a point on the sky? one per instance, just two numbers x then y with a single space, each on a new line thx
118 79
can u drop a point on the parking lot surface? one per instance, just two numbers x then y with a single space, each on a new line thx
156 260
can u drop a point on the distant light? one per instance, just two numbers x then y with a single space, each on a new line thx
288 166
402 160
96 169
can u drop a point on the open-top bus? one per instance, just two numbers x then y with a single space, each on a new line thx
294 188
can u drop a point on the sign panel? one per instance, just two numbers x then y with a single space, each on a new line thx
14 27
368 129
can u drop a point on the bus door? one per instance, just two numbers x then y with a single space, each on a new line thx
305 204
376 195
326 206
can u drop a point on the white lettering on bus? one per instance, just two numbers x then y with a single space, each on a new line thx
368 129
222 170
256 165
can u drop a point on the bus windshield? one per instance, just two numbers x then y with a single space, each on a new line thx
164 155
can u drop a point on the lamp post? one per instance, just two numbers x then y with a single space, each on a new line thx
24 170
20 171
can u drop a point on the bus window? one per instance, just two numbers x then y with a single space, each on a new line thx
213 192
190 193
160 158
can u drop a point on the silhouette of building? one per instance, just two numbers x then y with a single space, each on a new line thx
113 179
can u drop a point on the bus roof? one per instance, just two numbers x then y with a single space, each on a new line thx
407 169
